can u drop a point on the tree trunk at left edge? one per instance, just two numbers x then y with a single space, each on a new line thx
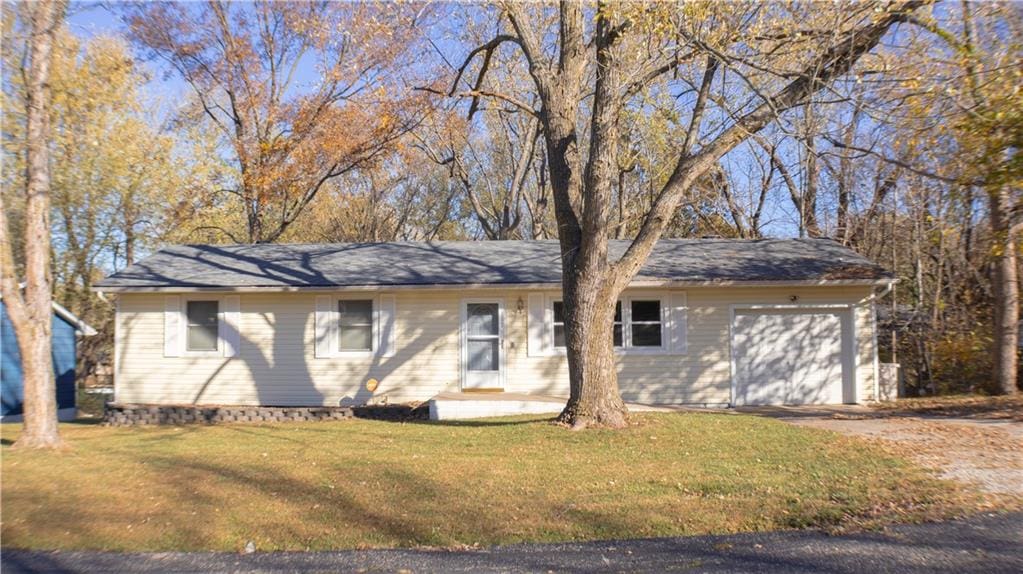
31 316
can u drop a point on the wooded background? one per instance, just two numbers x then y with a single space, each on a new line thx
346 122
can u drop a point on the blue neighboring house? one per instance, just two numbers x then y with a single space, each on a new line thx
66 329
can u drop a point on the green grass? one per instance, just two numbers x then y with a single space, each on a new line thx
358 484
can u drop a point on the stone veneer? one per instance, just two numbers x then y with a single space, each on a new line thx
132 415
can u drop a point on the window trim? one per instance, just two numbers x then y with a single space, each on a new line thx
665 311
374 329
626 348
552 331
183 327
548 324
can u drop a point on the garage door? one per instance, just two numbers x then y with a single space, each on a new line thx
792 357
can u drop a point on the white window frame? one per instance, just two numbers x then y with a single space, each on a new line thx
183 326
626 300
665 309
375 330
549 325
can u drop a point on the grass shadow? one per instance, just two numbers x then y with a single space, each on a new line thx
489 422
88 422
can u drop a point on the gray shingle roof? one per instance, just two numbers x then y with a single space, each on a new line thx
481 262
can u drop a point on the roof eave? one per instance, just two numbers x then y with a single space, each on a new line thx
81 327
641 284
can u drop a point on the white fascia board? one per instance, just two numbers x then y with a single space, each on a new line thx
643 284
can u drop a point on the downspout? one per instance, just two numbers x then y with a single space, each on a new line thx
888 288
873 309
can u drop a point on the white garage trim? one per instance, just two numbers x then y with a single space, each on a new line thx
876 362
851 361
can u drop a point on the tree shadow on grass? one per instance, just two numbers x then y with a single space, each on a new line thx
217 504
91 422
407 513
479 423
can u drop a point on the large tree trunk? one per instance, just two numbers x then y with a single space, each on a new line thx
594 399
583 209
1005 285
31 313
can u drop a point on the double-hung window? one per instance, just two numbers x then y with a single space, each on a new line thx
558 322
355 325
202 326
645 324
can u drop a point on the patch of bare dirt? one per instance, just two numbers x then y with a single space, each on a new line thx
983 451
974 407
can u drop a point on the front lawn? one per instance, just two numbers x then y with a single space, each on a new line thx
357 484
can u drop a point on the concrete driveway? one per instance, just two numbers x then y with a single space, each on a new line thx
984 450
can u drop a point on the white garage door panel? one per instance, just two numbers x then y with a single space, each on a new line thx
788 357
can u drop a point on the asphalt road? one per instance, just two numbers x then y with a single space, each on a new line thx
988 543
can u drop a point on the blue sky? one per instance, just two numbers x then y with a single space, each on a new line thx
90 19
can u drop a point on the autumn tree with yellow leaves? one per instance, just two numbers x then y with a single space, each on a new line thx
283 133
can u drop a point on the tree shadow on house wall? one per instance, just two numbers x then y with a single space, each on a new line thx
281 378
786 373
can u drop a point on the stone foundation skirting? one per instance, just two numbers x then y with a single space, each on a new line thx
133 415
413 412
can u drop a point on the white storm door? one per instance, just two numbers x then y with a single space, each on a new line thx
481 345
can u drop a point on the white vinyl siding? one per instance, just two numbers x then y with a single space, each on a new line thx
277 362
229 335
171 326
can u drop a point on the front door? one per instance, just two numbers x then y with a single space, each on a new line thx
482 346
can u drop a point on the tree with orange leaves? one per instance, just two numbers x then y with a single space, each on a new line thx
283 135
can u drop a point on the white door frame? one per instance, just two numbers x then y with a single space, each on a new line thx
463 341
847 310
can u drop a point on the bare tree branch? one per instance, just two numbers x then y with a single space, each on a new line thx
835 62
